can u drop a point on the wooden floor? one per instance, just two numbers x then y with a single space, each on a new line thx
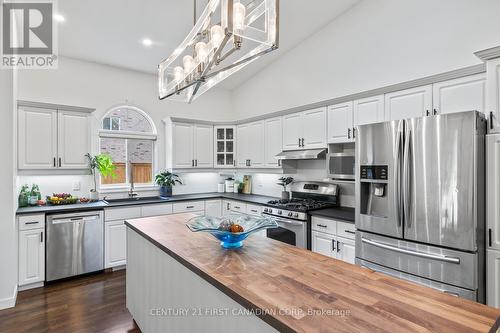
94 303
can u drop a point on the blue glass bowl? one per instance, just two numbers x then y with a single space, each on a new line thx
230 240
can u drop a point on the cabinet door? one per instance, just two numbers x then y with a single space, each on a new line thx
273 138
410 103
323 243
226 207
225 146
340 123
346 250
203 146
369 110
493 92
493 191
213 208
183 156
292 131
243 146
493 278
37 138
31 256
115 244
314 128
255 144
463 94
239 207
73 140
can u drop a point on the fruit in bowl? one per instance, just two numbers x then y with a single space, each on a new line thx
233 229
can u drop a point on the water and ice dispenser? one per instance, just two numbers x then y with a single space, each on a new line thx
373 192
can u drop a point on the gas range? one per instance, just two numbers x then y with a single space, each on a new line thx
306 196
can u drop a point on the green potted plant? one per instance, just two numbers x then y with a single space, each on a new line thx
104 164
166 180
285 181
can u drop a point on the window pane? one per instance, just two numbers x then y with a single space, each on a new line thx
124 119
106 123
140 155
116 148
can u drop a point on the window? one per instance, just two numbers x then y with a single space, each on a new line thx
128 135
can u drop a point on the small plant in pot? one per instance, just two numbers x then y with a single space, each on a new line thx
104 164
285 181
166 180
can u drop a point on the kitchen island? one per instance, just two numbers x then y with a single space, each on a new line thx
180 281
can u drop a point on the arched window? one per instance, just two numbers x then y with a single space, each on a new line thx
128 135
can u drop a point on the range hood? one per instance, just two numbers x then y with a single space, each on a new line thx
308 154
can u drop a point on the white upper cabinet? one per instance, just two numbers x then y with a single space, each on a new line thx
250 143
305 130
182 149
192 146
340 123
225 146
73 140
368 110
203 146
463 94
273 141
52 139
410 103
314 127
37 138
292 131
493 93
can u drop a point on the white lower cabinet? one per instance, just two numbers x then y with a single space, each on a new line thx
333 238
115 240
31 256
213 208
493 278
226 207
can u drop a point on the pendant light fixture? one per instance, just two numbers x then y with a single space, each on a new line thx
228 35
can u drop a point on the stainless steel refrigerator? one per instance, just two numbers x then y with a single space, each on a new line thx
420 208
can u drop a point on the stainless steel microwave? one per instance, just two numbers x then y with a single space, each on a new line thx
340 165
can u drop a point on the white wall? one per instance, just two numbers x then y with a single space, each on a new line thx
87 84
375 44
8 234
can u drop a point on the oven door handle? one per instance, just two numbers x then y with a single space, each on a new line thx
290 222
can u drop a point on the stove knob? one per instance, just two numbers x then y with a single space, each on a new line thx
290 214
270 211
279 212
265 210
296 215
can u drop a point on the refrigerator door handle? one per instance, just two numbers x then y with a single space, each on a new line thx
452 260
407 177
397 174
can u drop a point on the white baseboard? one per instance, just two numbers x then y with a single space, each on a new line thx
10 302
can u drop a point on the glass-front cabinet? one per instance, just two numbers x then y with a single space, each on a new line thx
225 146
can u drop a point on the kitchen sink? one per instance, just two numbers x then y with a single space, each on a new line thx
137 200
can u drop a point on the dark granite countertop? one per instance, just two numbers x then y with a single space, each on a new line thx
337 213
250 198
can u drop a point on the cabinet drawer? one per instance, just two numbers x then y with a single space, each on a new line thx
156 210
254 210
124 213
346 230
324 225
27 222
240 207
189 206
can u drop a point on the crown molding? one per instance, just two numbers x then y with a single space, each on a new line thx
488 54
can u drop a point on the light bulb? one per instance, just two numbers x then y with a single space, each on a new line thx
188 63
178 73
216 35
201 49
239 14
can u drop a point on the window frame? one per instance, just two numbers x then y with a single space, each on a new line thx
116 134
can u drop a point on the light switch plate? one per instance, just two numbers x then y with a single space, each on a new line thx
76 186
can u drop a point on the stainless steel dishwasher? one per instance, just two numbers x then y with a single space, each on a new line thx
75 244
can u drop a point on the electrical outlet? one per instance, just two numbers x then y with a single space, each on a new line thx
76 186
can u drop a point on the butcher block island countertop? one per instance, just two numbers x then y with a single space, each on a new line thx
290 289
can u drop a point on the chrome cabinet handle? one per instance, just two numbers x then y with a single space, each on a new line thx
452 260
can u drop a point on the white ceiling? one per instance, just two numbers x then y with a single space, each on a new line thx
111 31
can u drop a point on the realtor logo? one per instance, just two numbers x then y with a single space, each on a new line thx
28 35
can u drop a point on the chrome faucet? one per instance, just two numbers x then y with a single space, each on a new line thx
131 193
